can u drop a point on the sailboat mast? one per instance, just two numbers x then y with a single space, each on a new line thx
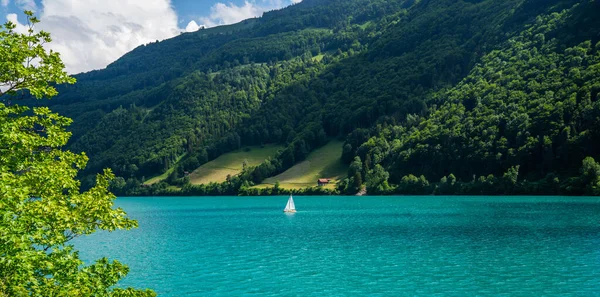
290 207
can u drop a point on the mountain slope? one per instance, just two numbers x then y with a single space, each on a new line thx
324 162
428 87
188 95
529 109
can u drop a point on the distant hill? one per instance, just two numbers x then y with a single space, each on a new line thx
497 96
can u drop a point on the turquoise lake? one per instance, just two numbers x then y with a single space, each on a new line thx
357 246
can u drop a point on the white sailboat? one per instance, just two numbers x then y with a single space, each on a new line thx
290 207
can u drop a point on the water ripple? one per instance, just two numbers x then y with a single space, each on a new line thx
354 246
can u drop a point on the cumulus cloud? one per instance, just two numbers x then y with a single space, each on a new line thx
20 28
21 4
25 4
192 27
91 34
224 14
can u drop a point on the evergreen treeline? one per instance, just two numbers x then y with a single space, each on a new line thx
431 96
528 111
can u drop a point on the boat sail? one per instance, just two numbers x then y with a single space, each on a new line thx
290 207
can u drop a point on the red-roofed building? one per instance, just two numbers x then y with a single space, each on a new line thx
322 181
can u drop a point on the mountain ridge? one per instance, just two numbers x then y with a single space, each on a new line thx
382 67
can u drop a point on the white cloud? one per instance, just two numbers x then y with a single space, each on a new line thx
192 27
21 4
224 14
91 34
20 28
24 4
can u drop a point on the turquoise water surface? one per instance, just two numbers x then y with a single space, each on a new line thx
356 246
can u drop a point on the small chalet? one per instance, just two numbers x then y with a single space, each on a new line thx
322 181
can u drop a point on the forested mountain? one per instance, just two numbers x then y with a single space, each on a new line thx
488 96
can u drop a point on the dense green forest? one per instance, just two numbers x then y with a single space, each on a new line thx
430 96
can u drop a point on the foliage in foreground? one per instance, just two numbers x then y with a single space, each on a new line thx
41 205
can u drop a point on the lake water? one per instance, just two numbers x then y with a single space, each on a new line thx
356 246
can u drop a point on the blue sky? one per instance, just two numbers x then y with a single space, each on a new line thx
90 34
187 10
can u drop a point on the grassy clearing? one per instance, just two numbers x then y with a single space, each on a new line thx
318 57
163 176
366 25
324 162
231 164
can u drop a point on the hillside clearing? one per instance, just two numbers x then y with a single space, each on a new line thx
231 164
324 162
163 176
